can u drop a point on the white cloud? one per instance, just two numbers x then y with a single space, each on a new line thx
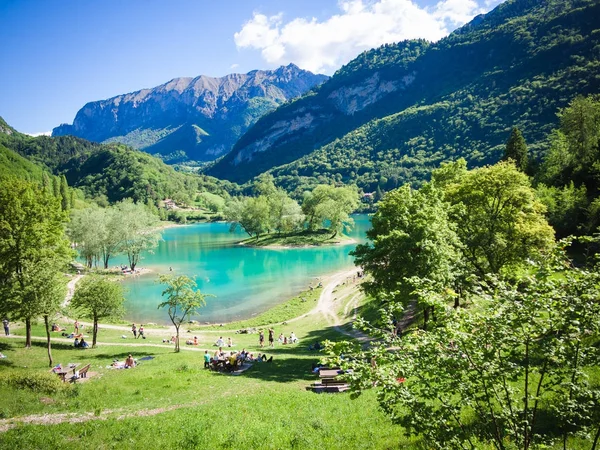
323 46
234 66
43 133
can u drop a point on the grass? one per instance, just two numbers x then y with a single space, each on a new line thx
304 238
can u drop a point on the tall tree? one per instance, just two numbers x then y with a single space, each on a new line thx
98 298
411 236
330 204
139 230
516 150
32 238
183 300
64 194
499 220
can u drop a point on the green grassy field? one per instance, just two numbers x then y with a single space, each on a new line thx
302 239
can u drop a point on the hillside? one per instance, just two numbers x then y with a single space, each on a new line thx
105 172
394 112
190 118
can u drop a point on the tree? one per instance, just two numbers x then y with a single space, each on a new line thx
32 239
251 213
489 374
182 300
98 298
499 220
330 204
139 230
516 150
411 236
64 194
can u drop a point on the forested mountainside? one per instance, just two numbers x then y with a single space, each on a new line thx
395 112
190 118
106 173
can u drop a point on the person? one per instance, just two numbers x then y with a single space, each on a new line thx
76 343
229 342
220 342
293 338
141 331
134 330
206 360
129 362
285 341
76 325
261 339
271 337
5 323
280 340
83 344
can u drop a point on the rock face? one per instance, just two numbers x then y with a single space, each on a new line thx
195 118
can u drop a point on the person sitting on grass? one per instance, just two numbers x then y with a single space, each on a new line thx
83 344
129 362
281 338
220 342
76 343
229 342
293 338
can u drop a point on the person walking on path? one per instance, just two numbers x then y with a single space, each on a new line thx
76 326
5 323
271 337
261 338
141 332
134 330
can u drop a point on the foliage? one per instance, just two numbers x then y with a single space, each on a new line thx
42 383
499 220
330 204
182 300
139 230
98 298
33 249
516 150
458 97
512 371
412 236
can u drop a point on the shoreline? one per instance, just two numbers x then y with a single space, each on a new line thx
291 247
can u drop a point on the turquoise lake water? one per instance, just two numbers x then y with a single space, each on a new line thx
245 280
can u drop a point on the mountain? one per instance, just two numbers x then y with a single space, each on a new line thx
394 112
190 118
105 172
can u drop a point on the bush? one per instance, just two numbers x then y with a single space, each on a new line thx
47 383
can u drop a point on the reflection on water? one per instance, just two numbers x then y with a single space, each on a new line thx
245 280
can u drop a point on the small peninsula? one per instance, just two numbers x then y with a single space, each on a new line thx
305 238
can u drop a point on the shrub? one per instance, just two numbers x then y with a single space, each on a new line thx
47 383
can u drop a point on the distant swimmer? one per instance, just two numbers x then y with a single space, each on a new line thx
170 269
207 280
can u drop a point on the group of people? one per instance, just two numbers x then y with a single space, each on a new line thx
129 363
138 332
80 343
282 339
221 343
232 359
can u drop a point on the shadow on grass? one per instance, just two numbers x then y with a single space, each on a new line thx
282 370
55 345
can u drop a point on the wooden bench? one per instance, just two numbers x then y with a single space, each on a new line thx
82 373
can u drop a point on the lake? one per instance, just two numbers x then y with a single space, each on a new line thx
245 280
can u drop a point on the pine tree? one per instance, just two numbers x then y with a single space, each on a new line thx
64 193
516 149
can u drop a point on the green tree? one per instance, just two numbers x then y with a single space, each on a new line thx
513 371
98 298
64 194
516 150
499 220
183 300
139 228
330 204
32 239
253 214
411 236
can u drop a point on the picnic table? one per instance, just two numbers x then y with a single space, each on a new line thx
328 373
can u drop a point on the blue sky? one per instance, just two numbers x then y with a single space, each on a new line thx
58 55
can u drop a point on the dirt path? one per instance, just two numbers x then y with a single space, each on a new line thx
71 289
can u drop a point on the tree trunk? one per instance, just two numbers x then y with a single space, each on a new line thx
425 317
177 339
49 346
334 234
94 332
28 333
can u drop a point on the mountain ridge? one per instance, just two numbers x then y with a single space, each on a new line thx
516 65
197 118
